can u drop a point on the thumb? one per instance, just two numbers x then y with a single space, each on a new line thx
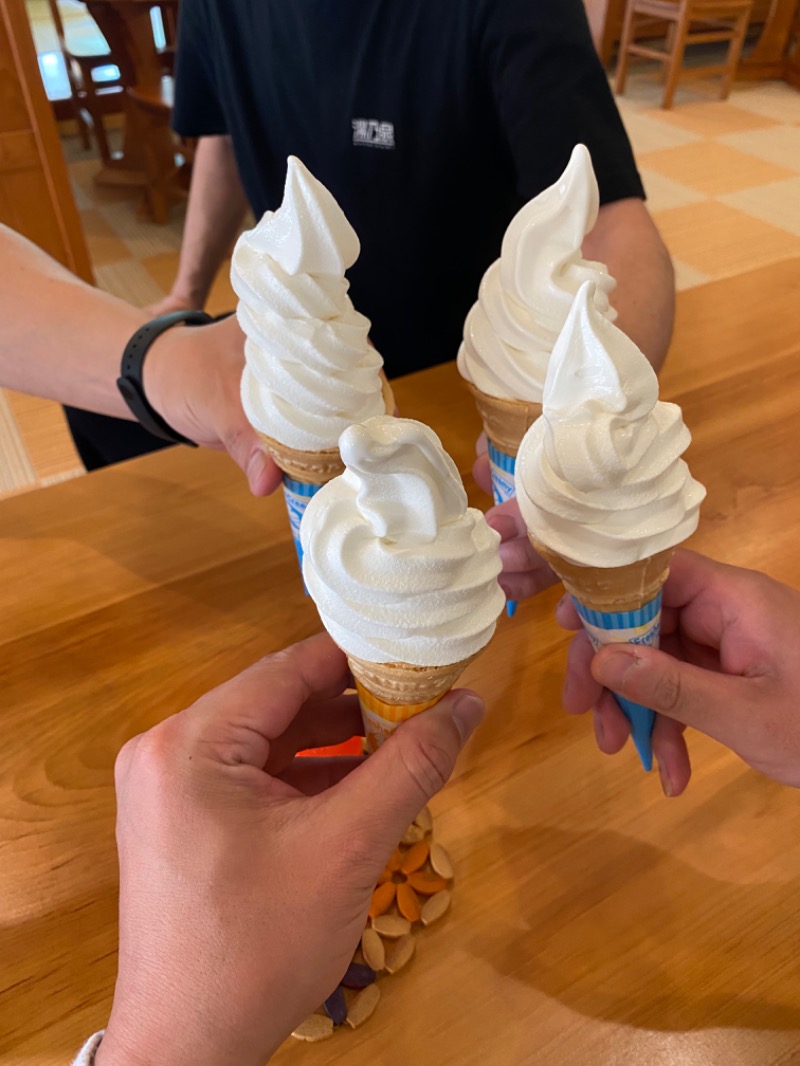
384 795
247 451
703 699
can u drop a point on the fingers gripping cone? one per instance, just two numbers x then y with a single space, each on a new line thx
505 423
391 693
619 605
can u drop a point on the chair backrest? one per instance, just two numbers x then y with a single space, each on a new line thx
59 25
99 51
169 18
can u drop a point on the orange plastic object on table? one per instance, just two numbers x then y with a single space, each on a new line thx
353 746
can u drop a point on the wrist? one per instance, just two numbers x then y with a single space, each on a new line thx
163 370
144 1037
190 292
149 1044
153 379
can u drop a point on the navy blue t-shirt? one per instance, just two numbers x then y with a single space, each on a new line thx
431 122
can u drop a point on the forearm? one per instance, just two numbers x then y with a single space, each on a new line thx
217 205
625 238
61 339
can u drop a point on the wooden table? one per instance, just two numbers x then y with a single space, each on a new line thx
768 57
594 922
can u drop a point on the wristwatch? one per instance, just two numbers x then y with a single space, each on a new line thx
130 382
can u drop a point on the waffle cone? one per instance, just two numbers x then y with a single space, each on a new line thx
312 468
319 467
391 693
612 588
505 422
401 684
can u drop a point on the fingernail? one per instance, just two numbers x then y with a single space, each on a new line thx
598 727
666 784
255 467
563 605
467 712
612 667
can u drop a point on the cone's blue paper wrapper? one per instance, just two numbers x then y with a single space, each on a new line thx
502 467
297 494
642 626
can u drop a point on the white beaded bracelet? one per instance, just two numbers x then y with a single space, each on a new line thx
89 1050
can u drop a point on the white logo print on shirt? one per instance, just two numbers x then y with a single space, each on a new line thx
370 133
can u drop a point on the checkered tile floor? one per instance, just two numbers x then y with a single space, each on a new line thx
723 183
722 177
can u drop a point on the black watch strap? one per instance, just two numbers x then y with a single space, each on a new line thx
130 382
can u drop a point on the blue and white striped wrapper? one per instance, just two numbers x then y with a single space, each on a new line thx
297 494
502 467
641 626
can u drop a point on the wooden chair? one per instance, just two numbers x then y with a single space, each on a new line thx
691 22
792 67
167 170
169 22
91 99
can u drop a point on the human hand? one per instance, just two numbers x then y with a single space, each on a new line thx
192 377
246 874
524 572
723 669
173 301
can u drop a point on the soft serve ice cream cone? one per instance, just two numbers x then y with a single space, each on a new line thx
310 371
602 486
523 302
403 572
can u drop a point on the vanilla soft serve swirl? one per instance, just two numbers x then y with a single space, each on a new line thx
526 294
600 478
310 371
400 568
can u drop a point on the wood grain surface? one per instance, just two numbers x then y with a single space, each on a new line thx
768 57
593 922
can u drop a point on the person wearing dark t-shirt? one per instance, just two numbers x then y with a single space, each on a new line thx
431 122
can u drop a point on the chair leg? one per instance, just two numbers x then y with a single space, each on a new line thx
734 54
100 135
83 127
158 151
158 205
676 59
669 45
628 35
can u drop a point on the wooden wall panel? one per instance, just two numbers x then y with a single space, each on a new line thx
35 194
